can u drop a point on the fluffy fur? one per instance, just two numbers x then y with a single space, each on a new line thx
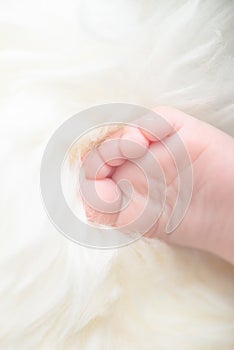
58 57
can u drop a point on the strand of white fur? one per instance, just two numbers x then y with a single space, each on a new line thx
57 58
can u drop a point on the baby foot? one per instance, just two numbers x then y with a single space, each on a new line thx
132 179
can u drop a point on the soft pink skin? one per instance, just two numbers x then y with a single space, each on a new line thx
209 221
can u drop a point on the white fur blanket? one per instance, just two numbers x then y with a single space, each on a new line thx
56 58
